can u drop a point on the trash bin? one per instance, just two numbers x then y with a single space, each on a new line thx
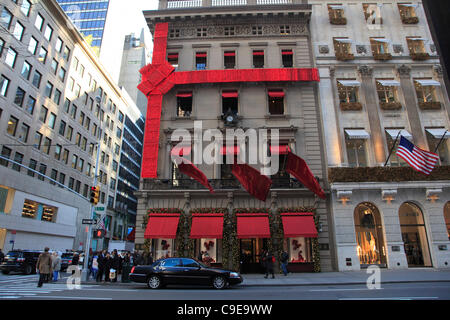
126 269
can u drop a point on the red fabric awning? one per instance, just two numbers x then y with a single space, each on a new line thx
201 54
230 94
181 150
229 54
276 93
253 225
184 94
258 53
172 56
286 52
280 149
162 226
207 225
230 150
299 225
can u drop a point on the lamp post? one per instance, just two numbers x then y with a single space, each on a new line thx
85 271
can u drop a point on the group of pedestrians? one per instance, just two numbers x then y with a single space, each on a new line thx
47 265
105 266
269 260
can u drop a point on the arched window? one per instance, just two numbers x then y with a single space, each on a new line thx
414 235
447 217
369 235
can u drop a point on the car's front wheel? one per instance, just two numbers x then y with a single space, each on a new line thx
219 282
28 269
154 282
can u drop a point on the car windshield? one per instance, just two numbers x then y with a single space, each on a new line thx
66 255
12 254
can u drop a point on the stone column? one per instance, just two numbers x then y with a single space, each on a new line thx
411 106
186 209
376 134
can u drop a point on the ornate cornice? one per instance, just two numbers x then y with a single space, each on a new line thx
404 71
365 71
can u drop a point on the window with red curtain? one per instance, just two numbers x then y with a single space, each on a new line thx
229 59
230 101
287 56
200 60
258 58
184 103
276 101
172 58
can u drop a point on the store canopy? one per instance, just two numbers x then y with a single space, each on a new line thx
393 133
357 134
230 150
299 225
439 133
389 83
207 225
427 83
253 225
286 52
350 83
280 149
417 39
408 5
381 40
162 226
181 150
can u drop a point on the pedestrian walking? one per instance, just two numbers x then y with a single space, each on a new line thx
56 265
101 266
75 260
269 260
94 265
115 265
284 262
107 269
44 266
150 258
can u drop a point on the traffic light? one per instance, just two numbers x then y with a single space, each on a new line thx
95 193
100 233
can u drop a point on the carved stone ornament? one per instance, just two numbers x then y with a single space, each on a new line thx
438 69
433 48
398 48
324 49
365 71
404 70
360 49
332 71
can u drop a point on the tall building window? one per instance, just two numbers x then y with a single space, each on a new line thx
18 157
32 165
57 154
47 144
336 14
25 7
32 46
58 45
276 101
258 58
229 59
48 33
49 90
408 13
343 49
6 18
438 137
26 70
202 32
257 30
37 140
23 133
387 90
12 125
20 96
372 13
6 152
184 104
18 31
416 45
43 55
53 175
37 77
287 57
230 101
379 46
355 142
229 31
4 85
11 56
172 58
200 60
426 90
31 102
348 90
43 114
65 157
42 171
285 30
52 120
39 23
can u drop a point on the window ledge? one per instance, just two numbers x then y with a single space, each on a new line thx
183 118
277 116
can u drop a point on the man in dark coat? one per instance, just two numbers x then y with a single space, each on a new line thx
115 264
44 266
108 262
101 266
269 260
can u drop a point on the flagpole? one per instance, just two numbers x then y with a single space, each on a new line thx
393 146
440 141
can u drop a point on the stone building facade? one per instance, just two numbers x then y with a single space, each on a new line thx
380 75
241 36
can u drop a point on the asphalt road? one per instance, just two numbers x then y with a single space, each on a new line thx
20 287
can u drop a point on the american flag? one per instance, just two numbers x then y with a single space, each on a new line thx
101 223
420 160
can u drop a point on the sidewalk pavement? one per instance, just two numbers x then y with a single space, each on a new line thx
333 278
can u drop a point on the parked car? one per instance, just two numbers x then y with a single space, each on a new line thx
20 261
183 271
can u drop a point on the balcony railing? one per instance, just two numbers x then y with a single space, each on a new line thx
217 184
184 4
177 4
224 3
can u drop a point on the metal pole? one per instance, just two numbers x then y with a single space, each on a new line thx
440 141
85 272
393 146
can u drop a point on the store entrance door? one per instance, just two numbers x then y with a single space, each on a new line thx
251 255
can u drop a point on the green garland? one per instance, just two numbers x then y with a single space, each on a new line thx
209 210
230 243
184 248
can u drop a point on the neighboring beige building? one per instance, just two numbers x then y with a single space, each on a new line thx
56 103
380 73
221 35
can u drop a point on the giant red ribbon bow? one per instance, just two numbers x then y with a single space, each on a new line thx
159 77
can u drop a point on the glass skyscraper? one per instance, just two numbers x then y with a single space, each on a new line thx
89 16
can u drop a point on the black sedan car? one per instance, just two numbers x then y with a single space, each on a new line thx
183 271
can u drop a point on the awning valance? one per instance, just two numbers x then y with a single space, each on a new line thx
184 94
276 93
286 52
393 133
258 52
207 225
381 40
162 226
229 53
280 149
343 40
229 94
201 54
417 39
336 7
253 225
357 134
350 83
438 133
427 83
408 5
389 83
235 150
299 225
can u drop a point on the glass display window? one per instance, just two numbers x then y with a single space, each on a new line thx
209 250
164 248
299 249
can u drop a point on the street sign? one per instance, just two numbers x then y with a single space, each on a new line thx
89 221
99 209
